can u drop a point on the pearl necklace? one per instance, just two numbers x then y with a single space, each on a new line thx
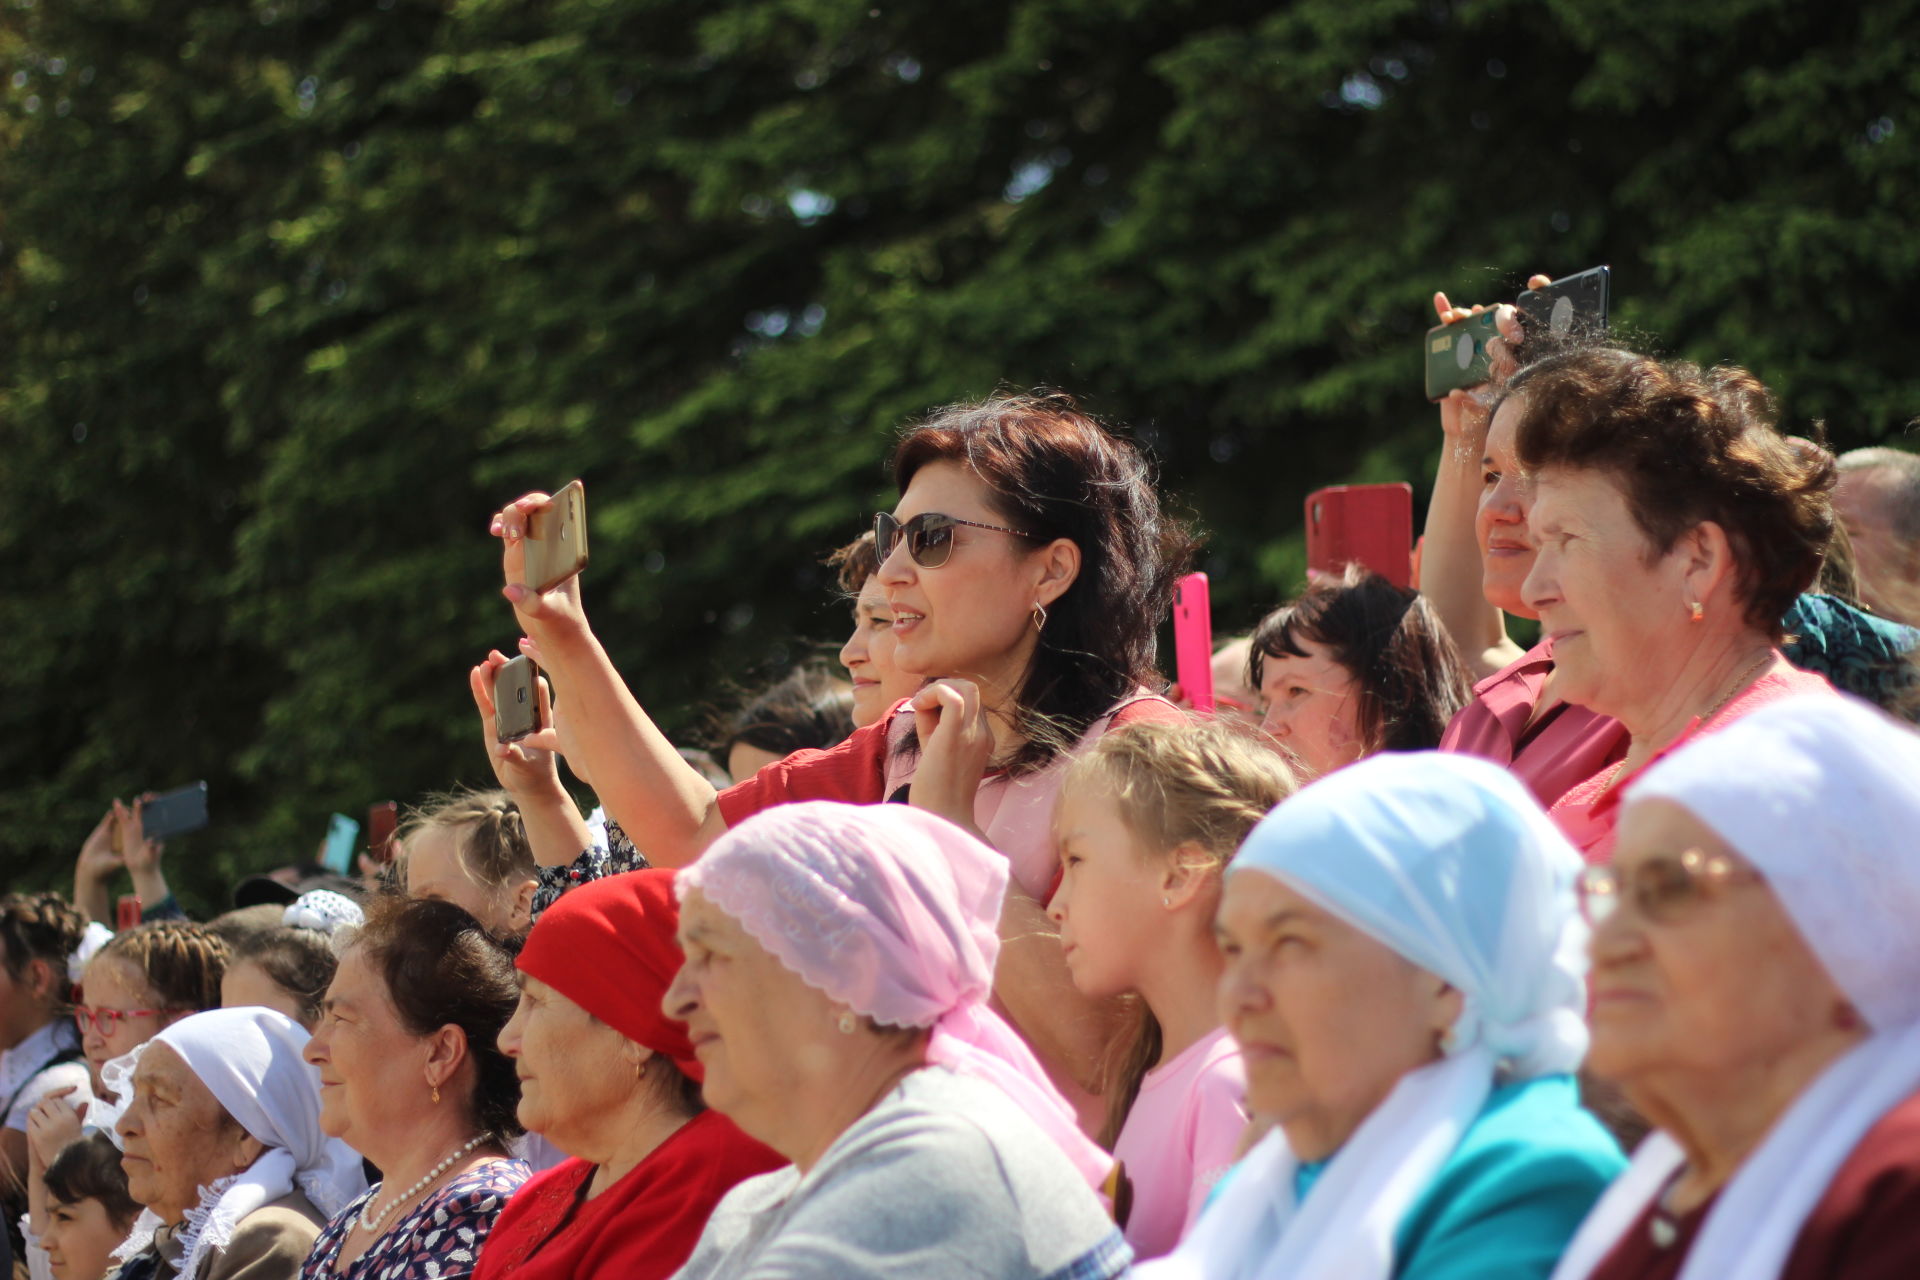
371 1225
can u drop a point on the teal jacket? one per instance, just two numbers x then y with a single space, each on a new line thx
1507 1202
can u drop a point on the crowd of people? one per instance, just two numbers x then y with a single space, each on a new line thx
1419 956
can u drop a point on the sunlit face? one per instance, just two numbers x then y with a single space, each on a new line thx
373 1071
1889 567
246 984
80 1239
1108 903
1726 983
1311 706
878 683
1611 607
754 1024
1500 521
175 1136
1319 1056
111 982
973 616
575 1071
435 869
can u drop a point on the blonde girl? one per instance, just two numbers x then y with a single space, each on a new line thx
1146 822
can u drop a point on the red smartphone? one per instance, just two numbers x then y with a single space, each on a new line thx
1371 523
126 912
1193 640
382 820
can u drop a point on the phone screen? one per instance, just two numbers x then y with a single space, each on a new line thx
343 835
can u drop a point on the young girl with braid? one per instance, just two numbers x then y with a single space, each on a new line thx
1146 822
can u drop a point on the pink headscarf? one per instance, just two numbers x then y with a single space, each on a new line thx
894 913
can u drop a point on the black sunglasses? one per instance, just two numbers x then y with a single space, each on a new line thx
929 536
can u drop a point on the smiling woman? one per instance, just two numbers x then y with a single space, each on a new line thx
1027 565
412 1078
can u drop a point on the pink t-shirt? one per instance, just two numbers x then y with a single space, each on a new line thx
1567 745
1179 1138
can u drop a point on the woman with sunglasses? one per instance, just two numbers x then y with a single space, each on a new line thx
1756 993
1027 565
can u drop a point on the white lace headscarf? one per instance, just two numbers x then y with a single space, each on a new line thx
249 1059
1450 862
1822 796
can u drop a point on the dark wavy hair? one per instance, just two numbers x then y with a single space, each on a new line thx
808 707
88 1168
1055 472
442 968
1688 445
1409 674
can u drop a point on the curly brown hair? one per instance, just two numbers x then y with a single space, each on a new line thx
1687 445
854 563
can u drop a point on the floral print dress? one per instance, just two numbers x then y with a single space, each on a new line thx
439 1240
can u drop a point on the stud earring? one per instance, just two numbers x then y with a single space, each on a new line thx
1165 901
1697 609
848 1024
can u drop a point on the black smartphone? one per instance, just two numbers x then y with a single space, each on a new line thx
516 699
1572 307
175 813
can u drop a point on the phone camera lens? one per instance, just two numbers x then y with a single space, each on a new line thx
1463 350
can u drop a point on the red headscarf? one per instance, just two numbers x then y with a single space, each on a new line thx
608 947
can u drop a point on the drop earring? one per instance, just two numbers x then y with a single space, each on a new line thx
1039 616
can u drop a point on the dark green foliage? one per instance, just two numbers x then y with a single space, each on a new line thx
294 292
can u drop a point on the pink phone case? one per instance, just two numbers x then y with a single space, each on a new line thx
1193 640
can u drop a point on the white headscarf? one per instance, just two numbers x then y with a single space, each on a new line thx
249 1059
1822 796
1450 862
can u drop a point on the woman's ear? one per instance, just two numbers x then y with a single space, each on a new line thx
446 1051
246 1148
1059 565
1706 562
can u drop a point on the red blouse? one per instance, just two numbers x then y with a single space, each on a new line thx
1866 1227
643 1227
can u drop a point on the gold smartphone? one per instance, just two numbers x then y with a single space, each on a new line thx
557 540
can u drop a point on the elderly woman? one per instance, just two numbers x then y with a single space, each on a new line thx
1353 667
411 1077
1756 992
1431 1130
1672 527
838 963
222 1144
608 1078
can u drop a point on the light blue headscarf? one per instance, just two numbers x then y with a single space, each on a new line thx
1449 861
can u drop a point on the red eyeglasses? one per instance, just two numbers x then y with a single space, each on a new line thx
106 1020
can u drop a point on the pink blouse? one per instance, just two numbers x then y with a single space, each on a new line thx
1568 746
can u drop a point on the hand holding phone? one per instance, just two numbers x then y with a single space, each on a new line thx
1457 352
556 543
516 700
1193 640
174 813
